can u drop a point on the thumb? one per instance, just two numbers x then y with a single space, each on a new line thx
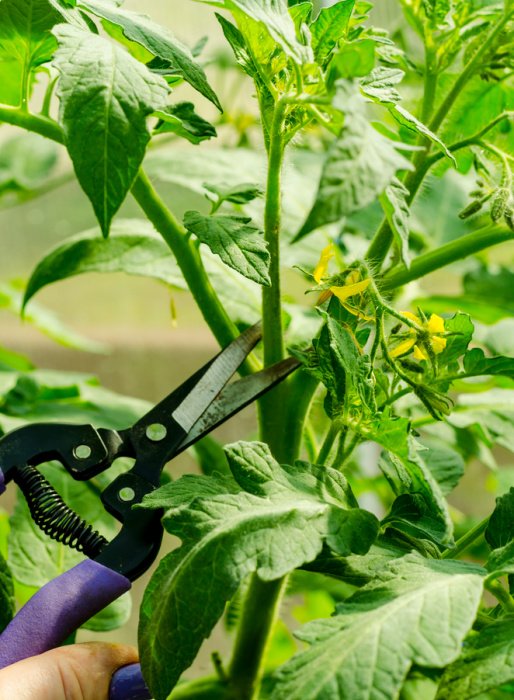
76 672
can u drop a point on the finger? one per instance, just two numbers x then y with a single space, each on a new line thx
76 672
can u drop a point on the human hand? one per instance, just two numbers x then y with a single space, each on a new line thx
75 672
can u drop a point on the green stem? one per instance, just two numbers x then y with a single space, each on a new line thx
253 636
501 594
381 243
170 229
189 261
273 405
466 540
446 254
32 122
467 74
328 442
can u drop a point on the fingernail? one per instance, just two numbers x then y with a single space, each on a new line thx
128 684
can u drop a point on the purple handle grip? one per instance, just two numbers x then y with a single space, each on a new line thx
60 608
2 484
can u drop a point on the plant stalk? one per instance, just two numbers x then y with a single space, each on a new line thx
260 613
466 540
273 405
447 254
190 263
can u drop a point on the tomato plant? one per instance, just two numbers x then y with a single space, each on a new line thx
375 161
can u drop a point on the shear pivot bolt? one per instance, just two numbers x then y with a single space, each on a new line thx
126 494
156 432
82 452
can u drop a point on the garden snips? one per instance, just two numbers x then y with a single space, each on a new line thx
200 404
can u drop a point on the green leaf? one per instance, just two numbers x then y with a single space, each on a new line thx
406 471
413 512
329 26
133 247
476 364
11 297
240 194
437 10
26 161
409 120
105 97
25 35
460 330
500 530
490 413
268 518
379 85
354 59
13 360
156 39
35 559
274 16
396 209
501 560
486 662
236 240
363 652
237 42
48 396
7 603
301 14
446 464
360 164
211 456
182 120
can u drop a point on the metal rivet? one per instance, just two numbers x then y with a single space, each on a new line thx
82 451
126 494
156 432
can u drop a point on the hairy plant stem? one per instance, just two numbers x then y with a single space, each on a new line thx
447 254
190 263
272 406
383 239
466 540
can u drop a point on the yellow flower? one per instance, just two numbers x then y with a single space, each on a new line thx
433 327
351 287
321 269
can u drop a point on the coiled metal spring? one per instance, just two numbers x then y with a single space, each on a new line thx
54 517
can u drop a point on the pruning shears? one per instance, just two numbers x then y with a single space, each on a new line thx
199 405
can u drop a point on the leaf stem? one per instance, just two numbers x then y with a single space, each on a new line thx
500 593
328 442
447 254
260 612
466 540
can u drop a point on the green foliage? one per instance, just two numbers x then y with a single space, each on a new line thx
397 398
236 240
105 96
364 650
265 518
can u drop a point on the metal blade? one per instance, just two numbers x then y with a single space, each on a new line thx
215 378
236 396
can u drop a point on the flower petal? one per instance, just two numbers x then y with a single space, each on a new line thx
438 344
419 353
435 325
352 278
350 290
402 348
411 317
356 312
325 294
321 268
